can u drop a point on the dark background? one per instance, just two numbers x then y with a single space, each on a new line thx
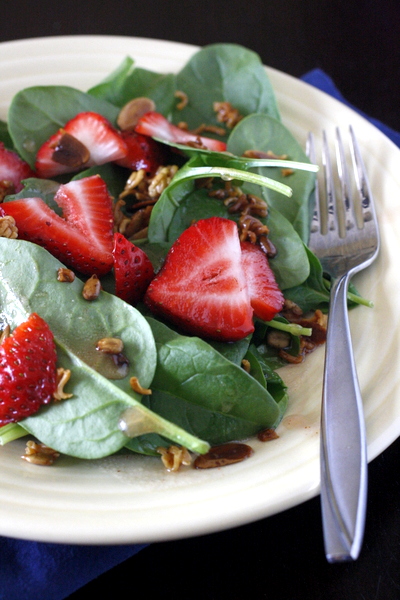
357 43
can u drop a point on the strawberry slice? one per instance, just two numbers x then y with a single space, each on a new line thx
83 239
28 375
86 140
87 205
265 296
201 286
156 125
143 152
133 270
13 169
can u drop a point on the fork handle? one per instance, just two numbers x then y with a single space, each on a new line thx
344 468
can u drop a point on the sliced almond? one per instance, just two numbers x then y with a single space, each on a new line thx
132 111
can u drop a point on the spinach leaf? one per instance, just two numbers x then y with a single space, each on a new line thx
37 113
87 424
261 132
114 176
314 292
224 72
183 183
200 421
189 368
38 188
128 82
5 136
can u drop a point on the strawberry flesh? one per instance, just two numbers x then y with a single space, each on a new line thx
201 287
13 169
28 376
156 125
94 132
133 270
83 239
265 296
142 152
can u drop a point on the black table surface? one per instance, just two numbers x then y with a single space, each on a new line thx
357 43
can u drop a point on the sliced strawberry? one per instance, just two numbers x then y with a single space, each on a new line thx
88 206
28 375
201 286
265 296
13 169
133 270
84 239
86 140
156 125
143 152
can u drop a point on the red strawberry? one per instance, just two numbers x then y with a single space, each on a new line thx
156 125
28 375
265 296
133 270
143 152
201 286
86 140
13 169
84 238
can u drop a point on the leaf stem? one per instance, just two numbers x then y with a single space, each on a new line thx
292 328
11 432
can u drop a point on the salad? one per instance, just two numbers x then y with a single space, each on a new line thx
166 383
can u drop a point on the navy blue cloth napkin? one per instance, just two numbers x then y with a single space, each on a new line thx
30 570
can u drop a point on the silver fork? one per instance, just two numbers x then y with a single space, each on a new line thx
345 237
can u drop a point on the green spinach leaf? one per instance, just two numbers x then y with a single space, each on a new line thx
87 424
224 73
261 132
37 113
128 82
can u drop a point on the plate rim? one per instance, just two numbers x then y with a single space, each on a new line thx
13 529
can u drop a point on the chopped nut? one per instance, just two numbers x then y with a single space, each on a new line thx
267 435
290 358
261 154
8 228
130 114
225 454
65 275
6 188
135 385
39 454
173 457
291 307
226 113
63 376
91 289
251 228
4 333
246 365
183 99
161 180
209 129
110 345
278 339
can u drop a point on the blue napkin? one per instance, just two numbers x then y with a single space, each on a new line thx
322 81
55 571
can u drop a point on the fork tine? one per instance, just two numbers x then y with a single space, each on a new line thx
362 183
330 199
347 209
316 218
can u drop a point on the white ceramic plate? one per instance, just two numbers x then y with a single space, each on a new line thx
132 499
